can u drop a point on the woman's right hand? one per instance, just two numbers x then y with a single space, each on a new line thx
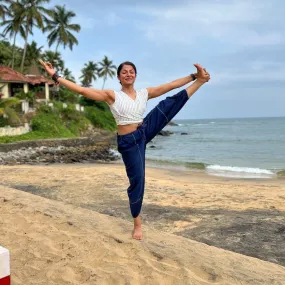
48 67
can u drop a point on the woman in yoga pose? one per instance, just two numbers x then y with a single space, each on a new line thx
134 132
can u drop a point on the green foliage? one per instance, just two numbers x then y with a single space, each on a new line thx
36 135
68 96
30 96
6 53
61 122
100 118
3 122
89 102
7 109
281 173
60 27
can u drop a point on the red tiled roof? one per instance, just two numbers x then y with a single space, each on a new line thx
37 79
8 74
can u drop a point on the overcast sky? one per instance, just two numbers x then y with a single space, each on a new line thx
241 43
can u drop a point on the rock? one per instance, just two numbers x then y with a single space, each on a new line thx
184 133
165 133
152 146
59 151
172 124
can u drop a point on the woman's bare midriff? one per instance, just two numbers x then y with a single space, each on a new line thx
126 129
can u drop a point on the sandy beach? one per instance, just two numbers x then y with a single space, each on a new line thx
70 224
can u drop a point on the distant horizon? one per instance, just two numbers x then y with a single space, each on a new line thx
230 118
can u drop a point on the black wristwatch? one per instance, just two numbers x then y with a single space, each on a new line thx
193 76
55 77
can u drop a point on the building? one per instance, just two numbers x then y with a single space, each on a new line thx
12 82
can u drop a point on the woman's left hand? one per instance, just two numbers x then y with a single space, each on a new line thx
202 74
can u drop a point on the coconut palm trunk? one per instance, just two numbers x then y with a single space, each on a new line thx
13 50
25 48
104 80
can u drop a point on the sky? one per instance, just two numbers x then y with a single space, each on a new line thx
241 43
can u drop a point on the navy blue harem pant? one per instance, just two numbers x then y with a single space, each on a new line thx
132 146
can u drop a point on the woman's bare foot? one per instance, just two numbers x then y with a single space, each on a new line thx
137 232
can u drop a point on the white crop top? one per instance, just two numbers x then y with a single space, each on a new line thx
127 110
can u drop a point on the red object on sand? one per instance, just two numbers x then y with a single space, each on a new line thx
4 266
5 281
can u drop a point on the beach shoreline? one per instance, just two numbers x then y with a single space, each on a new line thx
215 210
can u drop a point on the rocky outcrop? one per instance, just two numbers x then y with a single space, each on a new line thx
165 133
60 150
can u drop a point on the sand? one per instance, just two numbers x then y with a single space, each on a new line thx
77 228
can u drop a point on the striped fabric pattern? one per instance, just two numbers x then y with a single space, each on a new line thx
127 110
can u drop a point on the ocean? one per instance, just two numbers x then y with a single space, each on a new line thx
240 148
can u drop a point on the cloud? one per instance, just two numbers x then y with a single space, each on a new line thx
239 22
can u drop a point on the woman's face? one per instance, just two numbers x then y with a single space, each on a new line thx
127 75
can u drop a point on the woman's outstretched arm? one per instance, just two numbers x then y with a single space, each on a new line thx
162 89
94 94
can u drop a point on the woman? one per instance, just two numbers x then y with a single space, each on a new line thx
134 131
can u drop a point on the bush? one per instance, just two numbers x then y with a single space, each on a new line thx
100 119
68 96
59 121
29 96
98 104
45 109
3 122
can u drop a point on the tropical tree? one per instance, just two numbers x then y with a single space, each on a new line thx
68 75
61 28
7 111
13 26
107 69
33 54
54 58
6 52
3 9
89 73
33 14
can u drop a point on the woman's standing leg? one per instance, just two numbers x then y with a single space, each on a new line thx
133 156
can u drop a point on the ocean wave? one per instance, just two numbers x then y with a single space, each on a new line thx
201 124
239 172
114 152
239 169
192 165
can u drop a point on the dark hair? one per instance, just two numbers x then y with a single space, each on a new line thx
126 63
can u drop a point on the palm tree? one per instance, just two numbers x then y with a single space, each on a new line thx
61 28
33 54
54 58
68 75
3 9
107 69
7 111
33 14
13 26
89 73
